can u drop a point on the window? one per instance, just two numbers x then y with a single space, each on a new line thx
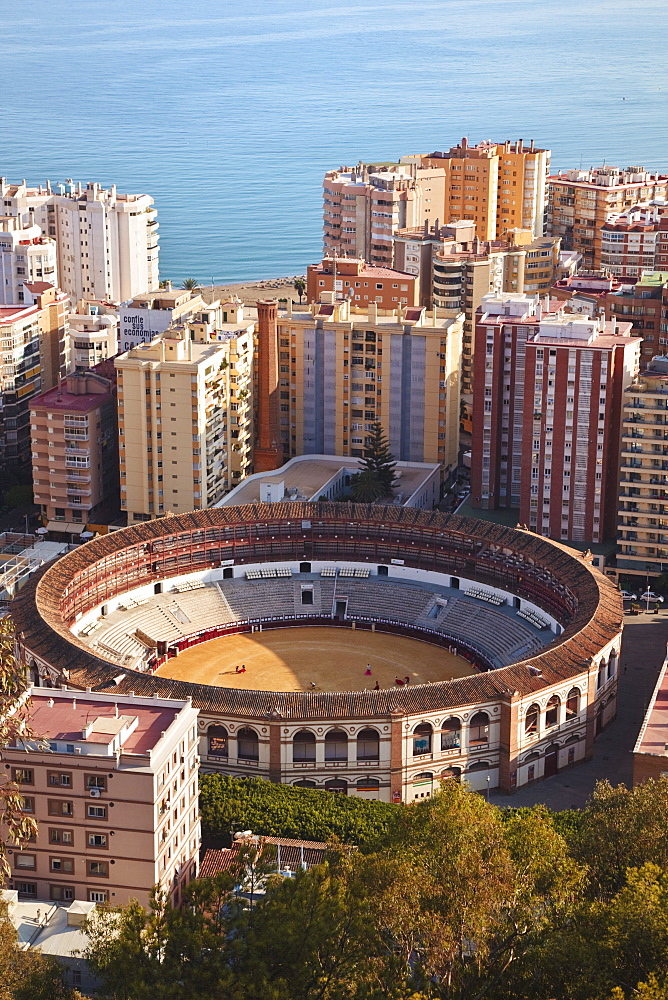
479 729
96 781
23 775
247 745
26 888
61 865
59 779
64 893
552 711
96 812
451 732
98 868
303 747
422 739
98 895
336 745
572 703
28 804
218 741
58 836
97 840
531 720
60 807
368 745
22 860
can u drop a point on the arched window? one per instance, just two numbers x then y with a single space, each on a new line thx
422 739
479 765
531 720
552 711
451 774
304 783
218 741
601 675
337 785
612 663
303 747
368 784
247 745
479 729
368 745
336 745
451 733
572 703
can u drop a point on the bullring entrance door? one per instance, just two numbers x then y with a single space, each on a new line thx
551 763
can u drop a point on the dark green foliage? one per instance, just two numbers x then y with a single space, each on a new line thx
378 460
229 804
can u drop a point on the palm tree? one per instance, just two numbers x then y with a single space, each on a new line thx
366 486
190 284
300 287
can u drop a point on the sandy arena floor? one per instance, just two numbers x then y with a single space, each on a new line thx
334 659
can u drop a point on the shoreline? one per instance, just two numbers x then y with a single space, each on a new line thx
250 291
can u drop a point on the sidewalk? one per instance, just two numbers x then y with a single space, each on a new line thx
643 652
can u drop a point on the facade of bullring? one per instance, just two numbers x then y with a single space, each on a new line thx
498 728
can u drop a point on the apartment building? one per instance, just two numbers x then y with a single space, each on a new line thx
342 368
580 202
115 796
20 333
93 335
185 415
106 242
25 255
149 315
498 186
353 278
643 485
414 251
546 416
629 241
74 442
54 326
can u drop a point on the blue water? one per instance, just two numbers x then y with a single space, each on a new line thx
229 113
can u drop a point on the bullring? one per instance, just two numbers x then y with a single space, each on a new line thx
500 726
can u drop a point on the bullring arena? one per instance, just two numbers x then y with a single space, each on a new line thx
373 651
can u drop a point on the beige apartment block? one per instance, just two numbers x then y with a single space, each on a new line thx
107 243
185 416
115 795
582 201
341 369
54 328
643 488
73 432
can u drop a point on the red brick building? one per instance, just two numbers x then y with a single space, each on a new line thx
352 277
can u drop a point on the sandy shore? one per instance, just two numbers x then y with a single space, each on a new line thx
250 291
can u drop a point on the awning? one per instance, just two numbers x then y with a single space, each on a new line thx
67 526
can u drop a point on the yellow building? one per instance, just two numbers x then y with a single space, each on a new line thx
185 413
341 369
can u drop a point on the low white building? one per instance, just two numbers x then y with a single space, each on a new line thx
25 256
93 335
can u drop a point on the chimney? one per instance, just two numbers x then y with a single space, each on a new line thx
268 453
531 146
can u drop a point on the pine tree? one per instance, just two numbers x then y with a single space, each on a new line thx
379 459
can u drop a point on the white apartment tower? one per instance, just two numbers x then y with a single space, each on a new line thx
106 242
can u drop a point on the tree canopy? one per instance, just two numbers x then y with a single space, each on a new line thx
377 475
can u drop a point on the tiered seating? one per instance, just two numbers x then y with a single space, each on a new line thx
183 588
498 634
249 601
328 571
360 572
536 620
480 594
176 611
385 600
91 627
268 573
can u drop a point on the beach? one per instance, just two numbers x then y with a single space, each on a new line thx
250 291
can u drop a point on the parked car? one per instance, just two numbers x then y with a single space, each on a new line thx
462 495
626 596
649 595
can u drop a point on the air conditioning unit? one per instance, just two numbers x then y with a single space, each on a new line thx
95 793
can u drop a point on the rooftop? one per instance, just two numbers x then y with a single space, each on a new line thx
61 398
653 736
54 929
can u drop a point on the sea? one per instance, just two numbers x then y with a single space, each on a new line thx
229 113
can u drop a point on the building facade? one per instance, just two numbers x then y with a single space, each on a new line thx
93 335
20 334
115 796
74 442
25 255
581 202
106 242
352 278
341 369
185 417
643 484
149 315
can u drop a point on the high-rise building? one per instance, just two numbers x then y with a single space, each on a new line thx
25 256
629 241
185 415
20 334
581 202
150 314
107 243
415 250
353 278
54 327
643 486
341 369
548 395
93 335
115 794
74 439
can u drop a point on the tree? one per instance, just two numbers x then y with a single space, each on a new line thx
300 287
14 727
378 458
190 283
367 486
19 495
